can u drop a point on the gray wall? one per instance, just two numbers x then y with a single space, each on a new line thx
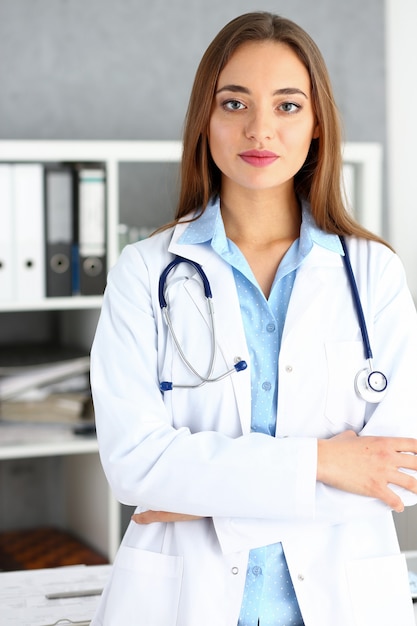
122 69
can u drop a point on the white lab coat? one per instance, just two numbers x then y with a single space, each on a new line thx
191 450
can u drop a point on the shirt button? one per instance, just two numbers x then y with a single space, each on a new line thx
266 386
300 577
270 327
235 570
256 570
288 369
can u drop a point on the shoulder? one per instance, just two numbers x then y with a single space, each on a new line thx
147 251
376 268
369 253
140 264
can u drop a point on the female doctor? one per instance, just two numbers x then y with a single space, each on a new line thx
237 404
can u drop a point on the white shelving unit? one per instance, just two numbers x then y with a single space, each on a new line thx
87 506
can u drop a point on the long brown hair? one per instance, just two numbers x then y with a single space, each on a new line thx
319 180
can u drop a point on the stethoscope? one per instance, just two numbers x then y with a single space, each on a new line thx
370 384
239 365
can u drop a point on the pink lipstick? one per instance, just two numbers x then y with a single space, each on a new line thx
259 158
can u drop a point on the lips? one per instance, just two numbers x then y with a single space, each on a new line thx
259 158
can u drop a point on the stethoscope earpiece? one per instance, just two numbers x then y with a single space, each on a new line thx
371 385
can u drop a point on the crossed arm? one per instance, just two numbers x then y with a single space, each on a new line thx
364 466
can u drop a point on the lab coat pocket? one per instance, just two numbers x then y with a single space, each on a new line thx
343 405
379 591
145 589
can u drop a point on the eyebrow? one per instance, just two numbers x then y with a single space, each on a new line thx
286 91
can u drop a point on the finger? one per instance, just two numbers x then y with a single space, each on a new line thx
150 517
346 434
405 444
146 517
392 500
407 460
397 505
403 479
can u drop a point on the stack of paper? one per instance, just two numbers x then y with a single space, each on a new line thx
51 388
24 595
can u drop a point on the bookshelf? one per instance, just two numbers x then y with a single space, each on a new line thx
49 475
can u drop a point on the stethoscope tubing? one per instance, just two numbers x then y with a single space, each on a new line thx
369 383
207 378
164 275
357 301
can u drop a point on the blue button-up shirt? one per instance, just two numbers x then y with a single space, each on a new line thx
269 594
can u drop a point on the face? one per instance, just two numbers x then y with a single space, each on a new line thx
262 120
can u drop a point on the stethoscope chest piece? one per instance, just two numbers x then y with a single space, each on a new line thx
371 385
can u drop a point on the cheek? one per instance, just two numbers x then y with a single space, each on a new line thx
300 139
218 139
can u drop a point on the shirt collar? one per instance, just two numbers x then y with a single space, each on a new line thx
209 228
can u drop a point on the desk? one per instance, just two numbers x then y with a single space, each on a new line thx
23 601
411 556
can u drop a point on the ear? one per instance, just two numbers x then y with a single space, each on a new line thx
316 131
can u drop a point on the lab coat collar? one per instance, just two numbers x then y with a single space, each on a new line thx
209 228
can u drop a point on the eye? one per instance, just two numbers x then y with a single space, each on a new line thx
232 105
289 107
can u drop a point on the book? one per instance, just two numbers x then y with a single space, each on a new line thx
7 266
29 236
59 208
90 227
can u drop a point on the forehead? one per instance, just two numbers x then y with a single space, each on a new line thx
269 63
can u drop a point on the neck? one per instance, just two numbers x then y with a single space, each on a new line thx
263 226
261 217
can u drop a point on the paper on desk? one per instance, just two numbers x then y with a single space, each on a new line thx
23 601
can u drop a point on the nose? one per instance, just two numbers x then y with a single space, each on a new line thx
260 124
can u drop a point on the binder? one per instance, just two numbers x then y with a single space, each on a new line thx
59 209
7 281
29 231
91 230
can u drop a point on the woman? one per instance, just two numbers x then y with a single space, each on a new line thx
257 501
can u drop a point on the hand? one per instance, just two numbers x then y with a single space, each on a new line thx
149 517
366 465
